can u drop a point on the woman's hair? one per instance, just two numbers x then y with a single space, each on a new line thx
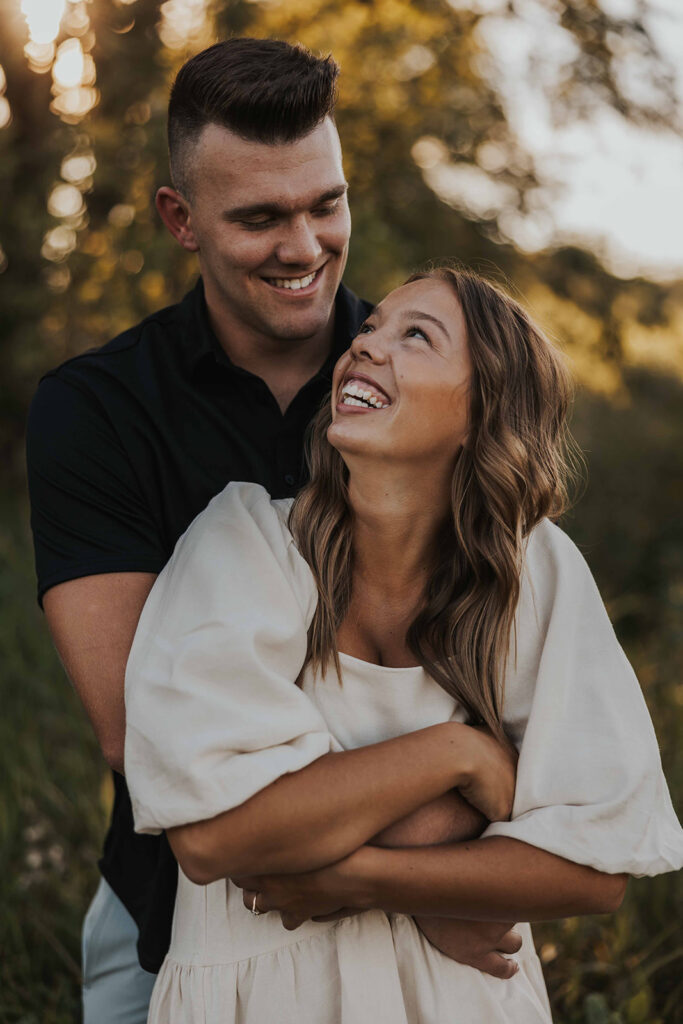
264 90
511 472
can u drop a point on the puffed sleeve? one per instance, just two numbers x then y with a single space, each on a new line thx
590 786
213 714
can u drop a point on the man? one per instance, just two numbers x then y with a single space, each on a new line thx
127 444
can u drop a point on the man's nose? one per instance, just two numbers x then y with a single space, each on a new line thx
300 244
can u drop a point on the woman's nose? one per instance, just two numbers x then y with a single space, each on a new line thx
300 245
371 345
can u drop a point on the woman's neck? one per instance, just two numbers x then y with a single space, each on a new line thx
397 514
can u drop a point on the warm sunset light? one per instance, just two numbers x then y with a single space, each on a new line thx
68 67
43 18
183 24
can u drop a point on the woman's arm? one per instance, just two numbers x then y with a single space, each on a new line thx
313 817
489 879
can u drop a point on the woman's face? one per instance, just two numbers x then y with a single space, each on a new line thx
402 390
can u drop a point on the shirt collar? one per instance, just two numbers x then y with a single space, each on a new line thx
205 350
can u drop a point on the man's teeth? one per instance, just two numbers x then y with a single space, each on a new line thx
293 283
353 395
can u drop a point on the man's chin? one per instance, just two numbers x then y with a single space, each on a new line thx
301 327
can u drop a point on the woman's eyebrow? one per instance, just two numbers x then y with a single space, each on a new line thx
417 314
279 209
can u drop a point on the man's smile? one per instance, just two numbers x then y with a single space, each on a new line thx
298 285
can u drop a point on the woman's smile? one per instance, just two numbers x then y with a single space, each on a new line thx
362 392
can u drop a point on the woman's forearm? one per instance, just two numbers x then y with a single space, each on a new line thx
488 879
320 814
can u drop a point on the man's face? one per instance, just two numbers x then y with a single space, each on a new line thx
272 227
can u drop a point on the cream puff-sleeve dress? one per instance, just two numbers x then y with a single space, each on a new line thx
214 715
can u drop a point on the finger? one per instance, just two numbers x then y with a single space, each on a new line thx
337 915
248 897
291 921
496 965
245 881
510 943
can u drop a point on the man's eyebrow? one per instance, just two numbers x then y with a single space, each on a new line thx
278 209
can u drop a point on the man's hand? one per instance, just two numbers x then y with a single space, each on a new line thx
479 944
448 819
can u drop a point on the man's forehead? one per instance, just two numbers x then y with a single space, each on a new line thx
289 174
322 142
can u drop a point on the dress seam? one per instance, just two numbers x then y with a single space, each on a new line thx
253 956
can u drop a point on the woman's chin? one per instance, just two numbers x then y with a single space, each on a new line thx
351 439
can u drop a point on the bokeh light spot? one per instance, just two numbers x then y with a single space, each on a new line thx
58 243
122 215
39 56
43 18
132 261
65 201
69 64
5 112
78 167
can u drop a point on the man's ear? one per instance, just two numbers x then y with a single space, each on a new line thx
175 213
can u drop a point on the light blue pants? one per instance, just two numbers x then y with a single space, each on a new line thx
116 990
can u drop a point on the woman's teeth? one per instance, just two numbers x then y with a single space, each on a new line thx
353 395
292 283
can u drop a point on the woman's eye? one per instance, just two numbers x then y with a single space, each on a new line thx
365 328
413 331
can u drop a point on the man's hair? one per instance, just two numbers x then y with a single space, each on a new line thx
264 90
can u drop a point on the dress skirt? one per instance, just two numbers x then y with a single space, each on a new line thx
228 966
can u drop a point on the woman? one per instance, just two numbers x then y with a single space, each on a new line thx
415 591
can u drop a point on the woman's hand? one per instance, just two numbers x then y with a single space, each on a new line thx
488 781
479 944
323 895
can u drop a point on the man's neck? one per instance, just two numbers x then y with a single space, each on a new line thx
284 364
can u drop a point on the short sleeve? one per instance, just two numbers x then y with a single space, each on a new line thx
88 514
590 785
213 712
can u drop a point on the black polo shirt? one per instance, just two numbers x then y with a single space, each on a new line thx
126 445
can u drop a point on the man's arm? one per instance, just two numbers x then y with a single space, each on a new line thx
92 621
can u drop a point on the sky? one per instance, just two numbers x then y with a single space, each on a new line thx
608 184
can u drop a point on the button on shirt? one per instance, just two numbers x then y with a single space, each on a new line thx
126 445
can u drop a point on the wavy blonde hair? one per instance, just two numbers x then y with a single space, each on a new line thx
512 471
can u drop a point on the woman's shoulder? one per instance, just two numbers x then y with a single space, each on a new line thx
242 509
235 556
550 551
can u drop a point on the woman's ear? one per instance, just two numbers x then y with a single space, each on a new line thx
175 212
